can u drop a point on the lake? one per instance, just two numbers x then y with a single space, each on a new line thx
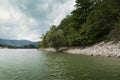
32 64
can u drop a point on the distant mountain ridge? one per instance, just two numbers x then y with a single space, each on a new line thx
17 42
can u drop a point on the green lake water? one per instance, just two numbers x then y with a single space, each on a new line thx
26 64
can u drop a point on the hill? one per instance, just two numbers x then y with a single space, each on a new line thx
91 22
18 43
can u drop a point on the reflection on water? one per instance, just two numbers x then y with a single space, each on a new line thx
21 64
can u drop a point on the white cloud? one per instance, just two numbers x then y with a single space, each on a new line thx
30 19
63 10
4 14
42 7
32 36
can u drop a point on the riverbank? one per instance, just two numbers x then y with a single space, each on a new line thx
109 49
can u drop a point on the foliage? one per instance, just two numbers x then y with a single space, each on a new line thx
92 21
53 38
13 46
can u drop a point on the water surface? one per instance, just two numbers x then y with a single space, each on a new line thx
26 64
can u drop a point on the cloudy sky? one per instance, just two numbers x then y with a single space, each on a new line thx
29 19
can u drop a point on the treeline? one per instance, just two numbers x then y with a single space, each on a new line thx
13 46
92 21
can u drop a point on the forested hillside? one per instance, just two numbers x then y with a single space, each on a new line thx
92 21
18 43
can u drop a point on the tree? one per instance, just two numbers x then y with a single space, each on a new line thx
43 43
55 38
92 21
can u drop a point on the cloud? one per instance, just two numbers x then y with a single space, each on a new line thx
29 19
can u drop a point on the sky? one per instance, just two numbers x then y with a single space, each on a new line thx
29 19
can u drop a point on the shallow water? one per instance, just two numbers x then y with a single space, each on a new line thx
26 64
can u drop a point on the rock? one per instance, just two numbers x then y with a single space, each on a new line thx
109 49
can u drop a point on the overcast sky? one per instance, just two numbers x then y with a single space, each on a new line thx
29 19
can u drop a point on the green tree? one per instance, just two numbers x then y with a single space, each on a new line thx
92 21
43 43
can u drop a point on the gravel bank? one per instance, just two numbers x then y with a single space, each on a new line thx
101 49
109 49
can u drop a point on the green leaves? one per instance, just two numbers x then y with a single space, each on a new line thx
54 38
92 21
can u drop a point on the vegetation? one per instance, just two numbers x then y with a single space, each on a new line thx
6 43
92 21
13 46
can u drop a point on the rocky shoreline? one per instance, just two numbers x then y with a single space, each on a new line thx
109 49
